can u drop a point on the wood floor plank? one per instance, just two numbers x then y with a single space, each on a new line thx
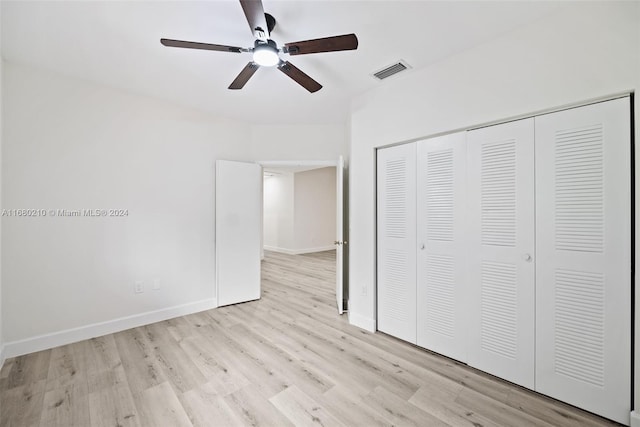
102 354
221 379
29 368
349 407
398 411
104 366
552 411
237 361
496 411
302 410
254 410
66 406
140 366
67 366
206 407
111 402
22 405
174 362
6 368
438 399
269 362
288 366
159 406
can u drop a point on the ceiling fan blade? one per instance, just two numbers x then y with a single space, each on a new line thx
326 44
254 12
301 78
203 46
244 76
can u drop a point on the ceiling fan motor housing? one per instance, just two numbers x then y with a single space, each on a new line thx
271 22
268 42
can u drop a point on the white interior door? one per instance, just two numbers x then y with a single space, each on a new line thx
238 231
396 281
501 265
340 242
583 232
442 245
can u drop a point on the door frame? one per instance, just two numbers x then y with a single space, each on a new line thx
266 164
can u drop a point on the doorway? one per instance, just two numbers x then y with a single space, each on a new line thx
303 214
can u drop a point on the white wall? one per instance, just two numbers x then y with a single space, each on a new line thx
70 144
299 142
278 212
584 51
300 211
315 209
74 145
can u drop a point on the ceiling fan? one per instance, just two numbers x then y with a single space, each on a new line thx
266 52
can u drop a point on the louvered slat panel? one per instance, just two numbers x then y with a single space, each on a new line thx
579 189
396 241
441 273
499 317
501 254
398 295
439 197
498 198
583 245
440 291
396 197
579 325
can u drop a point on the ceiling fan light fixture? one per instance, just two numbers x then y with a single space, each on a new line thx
266 54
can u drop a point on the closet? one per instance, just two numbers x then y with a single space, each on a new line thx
509 248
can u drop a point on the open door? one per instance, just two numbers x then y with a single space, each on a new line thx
238 231
340 242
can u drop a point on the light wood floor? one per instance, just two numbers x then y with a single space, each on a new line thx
287 359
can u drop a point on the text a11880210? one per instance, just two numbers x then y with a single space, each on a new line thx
96 213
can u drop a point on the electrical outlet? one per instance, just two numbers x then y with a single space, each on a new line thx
139 287
156 285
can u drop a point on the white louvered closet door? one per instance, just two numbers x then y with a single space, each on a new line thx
583 231
396 180
441 274
501 266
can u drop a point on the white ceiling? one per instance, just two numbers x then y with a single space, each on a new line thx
116 43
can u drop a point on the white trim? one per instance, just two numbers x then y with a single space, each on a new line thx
294 163
299 251
68 336
635 419
362 322
2 358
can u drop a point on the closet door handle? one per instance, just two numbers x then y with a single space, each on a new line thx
527 257
422 246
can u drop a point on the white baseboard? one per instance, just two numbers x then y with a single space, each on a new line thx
362 322
635 419
68 336
299 251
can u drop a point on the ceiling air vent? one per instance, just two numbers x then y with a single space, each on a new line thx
391 70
